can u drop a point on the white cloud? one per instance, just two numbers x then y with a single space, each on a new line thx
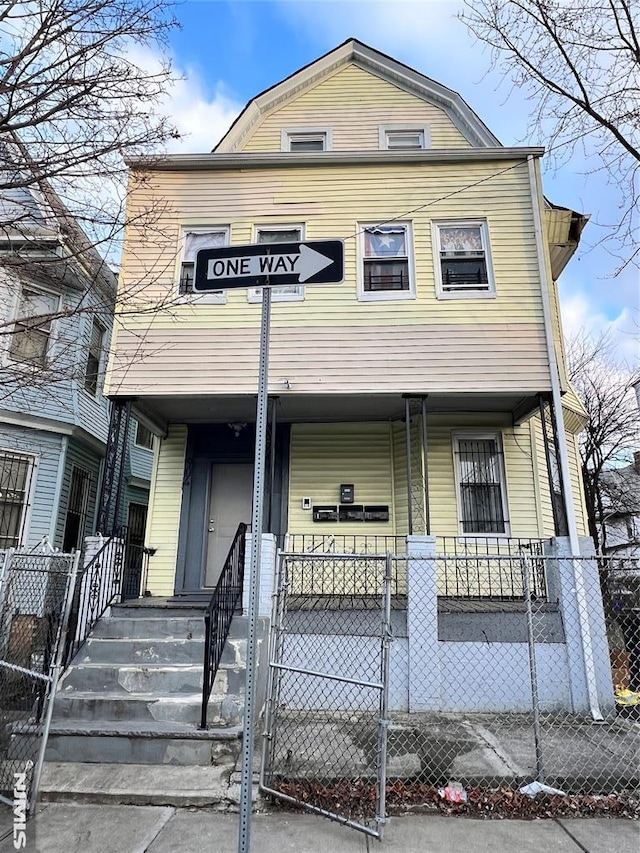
579 313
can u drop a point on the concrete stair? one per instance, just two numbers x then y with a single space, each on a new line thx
132 697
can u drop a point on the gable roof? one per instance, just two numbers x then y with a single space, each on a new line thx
375 62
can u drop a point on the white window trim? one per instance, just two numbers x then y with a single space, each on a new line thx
473 435
25 521
143 446
199 298
490 293
287 133
254 294
385 129
53 333
385 295
104 349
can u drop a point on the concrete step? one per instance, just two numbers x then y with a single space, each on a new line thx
154 679
136 742
125 651
149 627
181 708
140 784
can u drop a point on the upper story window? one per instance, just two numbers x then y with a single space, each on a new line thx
94 358
144 436
463 264
16 481
279 234
193 239
33 326
480 479
386 266
396 137
307 139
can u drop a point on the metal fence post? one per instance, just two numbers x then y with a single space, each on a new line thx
535 701
385 657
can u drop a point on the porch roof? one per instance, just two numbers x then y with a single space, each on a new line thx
159 411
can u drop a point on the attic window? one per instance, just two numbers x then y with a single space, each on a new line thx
306 140
403 138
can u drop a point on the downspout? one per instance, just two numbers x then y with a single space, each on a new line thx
556 395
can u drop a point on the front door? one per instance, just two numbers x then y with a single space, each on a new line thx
229 504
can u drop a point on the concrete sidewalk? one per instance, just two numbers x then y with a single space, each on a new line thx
67 828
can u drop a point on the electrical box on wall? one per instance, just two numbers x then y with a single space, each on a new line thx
325 513
306 503
347 493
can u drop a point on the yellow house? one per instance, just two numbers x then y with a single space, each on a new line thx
424 395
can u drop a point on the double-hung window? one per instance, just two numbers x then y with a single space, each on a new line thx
463 263
403 138
194 239
16 481
306 140
480 480
279 234
144 436
94 358
386 262
33 326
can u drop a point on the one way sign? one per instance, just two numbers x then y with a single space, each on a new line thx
269 265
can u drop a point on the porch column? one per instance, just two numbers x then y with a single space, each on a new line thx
589 663
422 624
267 574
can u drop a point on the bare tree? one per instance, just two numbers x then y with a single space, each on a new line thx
605 386
579 63
81 88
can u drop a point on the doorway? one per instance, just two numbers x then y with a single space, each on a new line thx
230 498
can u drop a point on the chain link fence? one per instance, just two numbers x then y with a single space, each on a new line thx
505 670
34 593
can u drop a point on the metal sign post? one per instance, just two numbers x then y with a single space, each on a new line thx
266 266
246 783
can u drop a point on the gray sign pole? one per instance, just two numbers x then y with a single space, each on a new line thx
246 784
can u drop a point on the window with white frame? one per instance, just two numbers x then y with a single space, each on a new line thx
386 270
16 481
463 264
306 140
94 358
480 481
144 436
403 138
194 239
33 325
279 234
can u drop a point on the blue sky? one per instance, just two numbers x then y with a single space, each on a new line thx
230 50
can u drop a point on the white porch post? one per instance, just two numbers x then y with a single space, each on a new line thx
422 624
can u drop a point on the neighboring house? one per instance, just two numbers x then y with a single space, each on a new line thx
448 316
621 499
57 298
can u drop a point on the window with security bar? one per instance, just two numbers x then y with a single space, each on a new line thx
387 263
33 326
275 234
16 481
482 506
464 267
194 240
77 508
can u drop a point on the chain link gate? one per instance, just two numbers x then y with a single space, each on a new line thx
36 589
326 712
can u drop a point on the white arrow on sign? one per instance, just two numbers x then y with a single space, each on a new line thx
305 264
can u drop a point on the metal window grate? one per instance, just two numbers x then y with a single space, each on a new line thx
16 477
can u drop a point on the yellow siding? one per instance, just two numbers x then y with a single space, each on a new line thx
577 485
353 103
502 337
164 514
325 455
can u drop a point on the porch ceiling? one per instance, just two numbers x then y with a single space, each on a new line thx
322 408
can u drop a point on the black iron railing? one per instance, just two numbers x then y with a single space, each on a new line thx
217 619
99 585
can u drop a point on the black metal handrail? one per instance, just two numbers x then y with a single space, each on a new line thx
217 619
98 586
